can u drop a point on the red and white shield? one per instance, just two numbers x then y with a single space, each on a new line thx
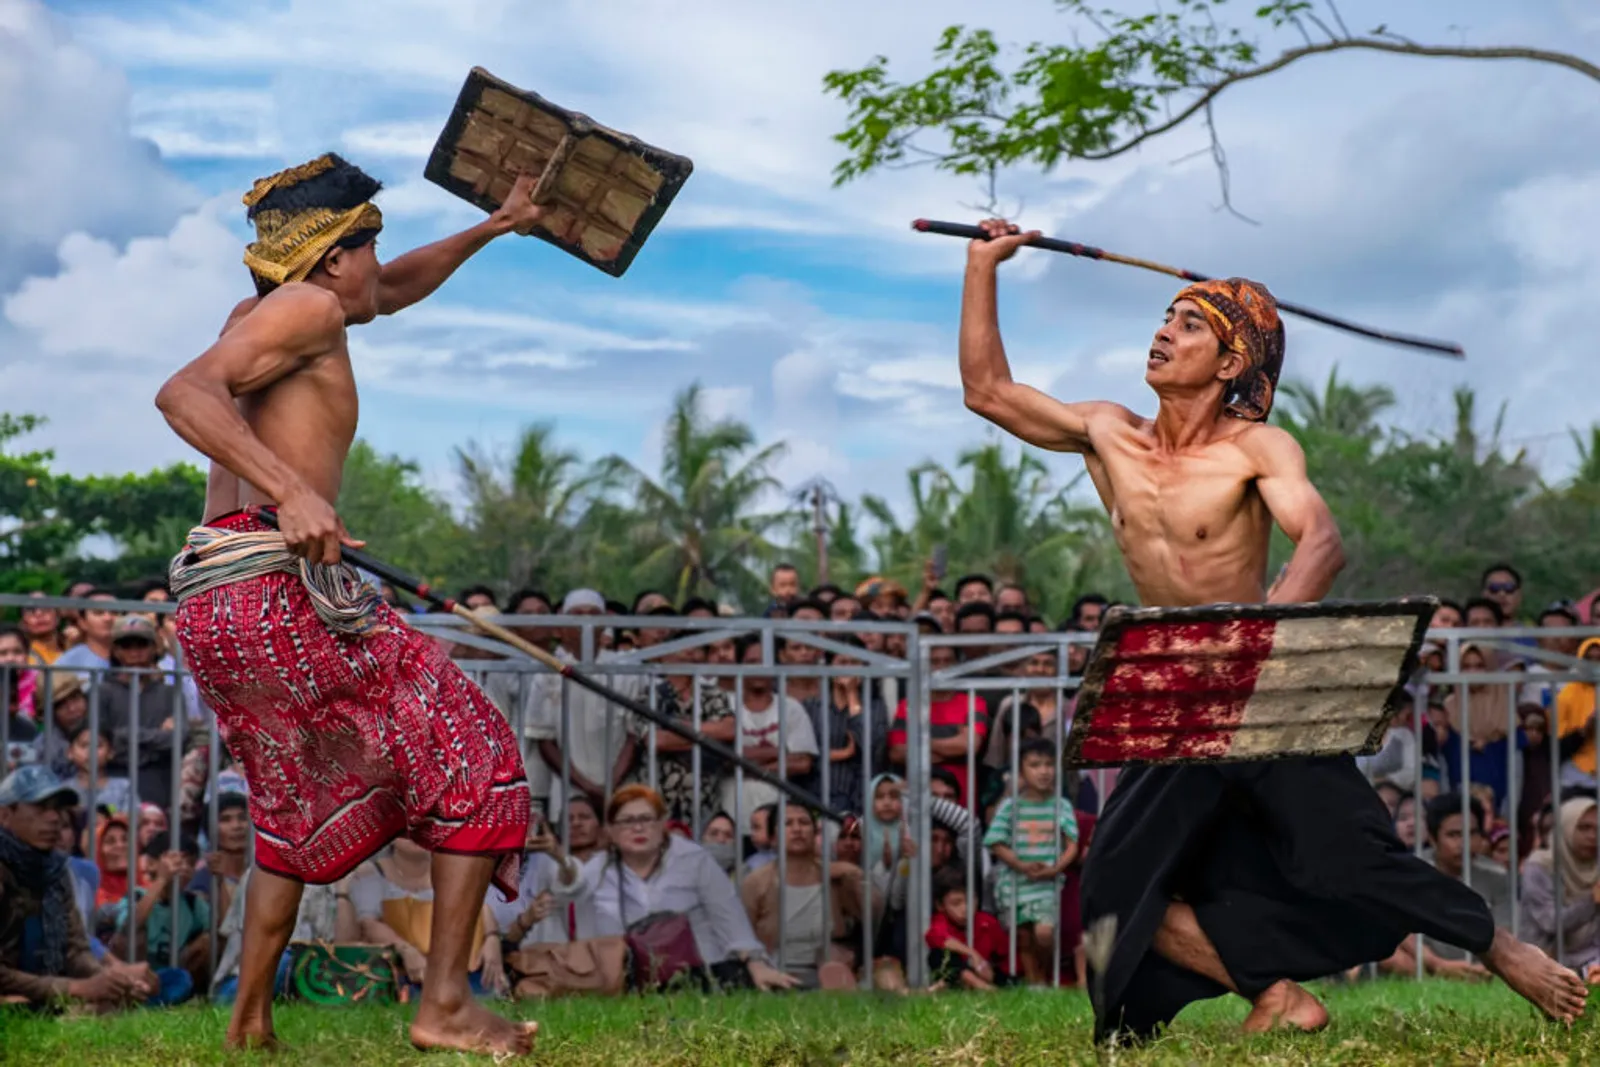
1245 681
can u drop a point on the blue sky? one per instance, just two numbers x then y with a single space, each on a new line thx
1446 198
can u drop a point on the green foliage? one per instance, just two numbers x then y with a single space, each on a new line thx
1417 514
1395 1023
45 516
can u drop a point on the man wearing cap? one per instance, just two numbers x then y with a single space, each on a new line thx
69 710
134 648
602 745
44 952
1210 878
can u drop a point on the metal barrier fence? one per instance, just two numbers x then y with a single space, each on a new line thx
690 663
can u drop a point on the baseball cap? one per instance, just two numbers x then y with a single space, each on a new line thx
133 626
35 784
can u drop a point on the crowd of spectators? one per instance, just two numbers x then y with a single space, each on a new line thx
125 820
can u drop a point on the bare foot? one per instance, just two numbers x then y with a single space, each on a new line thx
252 1036
1540 980
471 1028
1286 1006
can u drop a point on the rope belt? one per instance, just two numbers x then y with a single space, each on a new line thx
213 558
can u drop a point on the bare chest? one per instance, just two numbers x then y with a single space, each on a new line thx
1188 498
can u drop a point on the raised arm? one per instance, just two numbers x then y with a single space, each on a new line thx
288 330
415 275
986 381
1299 509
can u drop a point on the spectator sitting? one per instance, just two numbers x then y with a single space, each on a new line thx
1034 835
1405 820
762 842
646 872
1575 721
585 835
818 951
1576 846
326 916
112 793
226 866
720 837
16 702
394 904
1451 851
978 964
111 856
534 917
153 923
45 958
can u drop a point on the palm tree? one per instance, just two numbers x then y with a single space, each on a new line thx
1339 408
696 526
524 511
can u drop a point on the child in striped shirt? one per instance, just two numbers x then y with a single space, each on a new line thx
1034 835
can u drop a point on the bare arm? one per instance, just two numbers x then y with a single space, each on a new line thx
292 327
415 275
986 382
1299 509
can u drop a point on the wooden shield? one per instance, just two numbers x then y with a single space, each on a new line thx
1237 682
609 190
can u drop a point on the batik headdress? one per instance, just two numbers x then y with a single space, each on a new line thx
1245 317
302 212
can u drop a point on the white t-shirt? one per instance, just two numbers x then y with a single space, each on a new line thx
599 727
761 728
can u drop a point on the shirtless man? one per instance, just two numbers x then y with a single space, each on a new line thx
1242 878
351 727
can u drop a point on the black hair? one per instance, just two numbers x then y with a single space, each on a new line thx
1012 616
975 607
1484 602
1446 602
1037 747
826 588
478 590
1445 805
161 843
1562 608
809 602
769 814
107 734
785 567
937 593
230 800
742 645
14 630
663 611
1082 602
945 775
616 607
1493 567
947 881
970 579
520 595
697 603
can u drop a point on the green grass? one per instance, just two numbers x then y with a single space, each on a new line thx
1381 1023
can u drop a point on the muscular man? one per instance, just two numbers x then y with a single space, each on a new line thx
1242 878
351 728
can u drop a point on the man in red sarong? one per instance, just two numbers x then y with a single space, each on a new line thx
1249 877
352 728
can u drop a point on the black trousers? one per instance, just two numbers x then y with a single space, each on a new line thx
1292 868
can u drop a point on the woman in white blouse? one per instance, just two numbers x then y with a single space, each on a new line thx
648 871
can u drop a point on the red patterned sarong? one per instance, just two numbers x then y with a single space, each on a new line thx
347 742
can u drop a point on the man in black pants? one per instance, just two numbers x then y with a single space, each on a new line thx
1249 877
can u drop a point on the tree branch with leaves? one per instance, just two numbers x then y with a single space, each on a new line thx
985 109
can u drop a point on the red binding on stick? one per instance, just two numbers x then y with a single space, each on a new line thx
1072 248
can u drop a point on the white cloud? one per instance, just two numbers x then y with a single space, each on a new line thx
392 140
158 300
70 162
209 124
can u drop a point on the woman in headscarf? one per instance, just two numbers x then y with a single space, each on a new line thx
1575 719
1575 846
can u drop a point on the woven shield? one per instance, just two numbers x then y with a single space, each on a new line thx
608 189
1235 682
